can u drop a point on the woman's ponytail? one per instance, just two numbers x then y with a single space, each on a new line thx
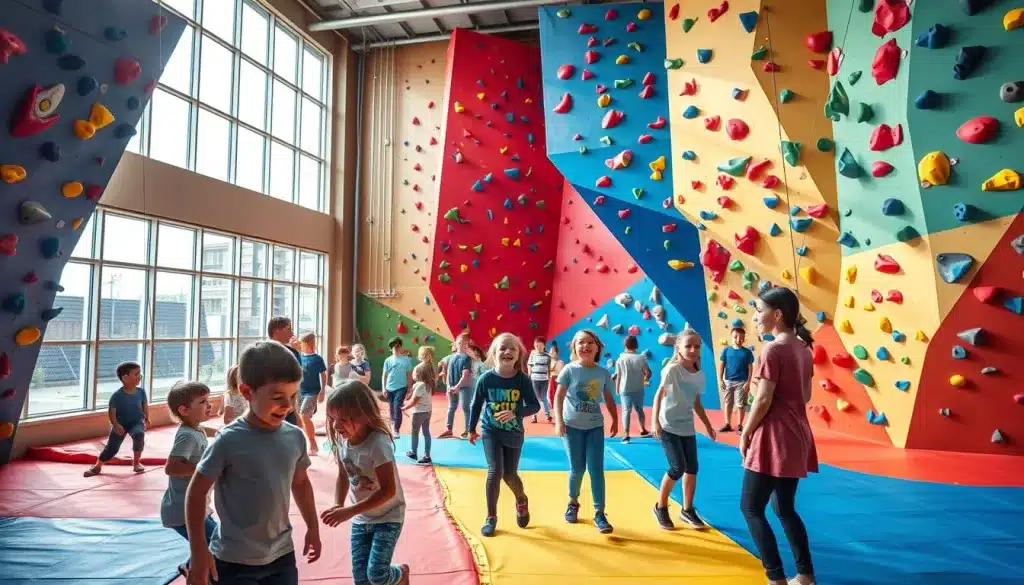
804 333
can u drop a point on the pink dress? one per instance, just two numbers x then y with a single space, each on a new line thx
783 445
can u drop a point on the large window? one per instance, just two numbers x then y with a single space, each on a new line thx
243 100
180 300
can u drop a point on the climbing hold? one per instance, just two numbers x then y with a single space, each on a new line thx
967 60
1013 19
978 130
864 377
735 166
57 41
880 168
658 123
952 266
10 46
747 241
755 170
892 207
834 60
963 212
99 117
49 248
959 352
37 111
824 144
848 166
604 181
715 13
771 201
1014 304
704 55
809 274
70 62
928 100
27 336
563 13
565 71
976 336
838 102
886 264
934 38
1018 244
673 63
890 16
688 24
997 437
1012 91
748 20
847 239
860 352
622 60
774 230
586 29
1004 180
612 119
72 189
886 62
620 161
786 95
12 173
33 213
564 104
771 67
819 42
957 381
934 169
126 71
712 122
791 152
680 264
591 57
864 112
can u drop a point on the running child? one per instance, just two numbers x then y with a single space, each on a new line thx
234 402
256 465
360 364
419 407
632 374
540 374
311 388
458 372
368 492
582 386
128 412
735 368
675 403
396 380
504 396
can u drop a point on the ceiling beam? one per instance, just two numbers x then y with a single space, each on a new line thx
444 37
405 15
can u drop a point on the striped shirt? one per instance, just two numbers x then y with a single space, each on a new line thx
540 366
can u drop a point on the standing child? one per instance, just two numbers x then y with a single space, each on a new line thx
582 385
368 490
734 370
234 402
556 369
397 378
540 374
311 388
419 406
189 404
342 369
477 369
128 412
360 364
457 369
677 399
632 375
257 464
508 395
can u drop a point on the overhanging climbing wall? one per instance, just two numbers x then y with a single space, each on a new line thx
498 195
74 79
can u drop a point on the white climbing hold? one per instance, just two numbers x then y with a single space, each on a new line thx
623 300
603 321
655 297
667 339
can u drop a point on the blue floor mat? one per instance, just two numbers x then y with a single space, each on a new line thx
94 551
539 454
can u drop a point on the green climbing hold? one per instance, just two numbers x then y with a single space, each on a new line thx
533 284
735 166
502 284
824 144
748 286
740 309
638 192
443 277
629 230
688 24
636 47
864 377
563 13
673 63
848 166
785 96
540 204
907 233
712 296
583 150
905 360
791 152
522 199
666 244
759 54
751 276
472 315
444 264
478 248
864 112
736 265
860 352
854 77
607 140
838 102
623 83
453 215
866 5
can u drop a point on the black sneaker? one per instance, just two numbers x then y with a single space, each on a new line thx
664 519
490 525
426 460
464 435
411 455
692 518
726 428
625 439
645 433
601 521
739 428
572 513
523 513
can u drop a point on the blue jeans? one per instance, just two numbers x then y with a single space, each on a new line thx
209 527
540 388
465 396
395 400
138 434
586 453
632 401
373 545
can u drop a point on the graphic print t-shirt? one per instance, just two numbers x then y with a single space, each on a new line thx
361 462
495 393
585 393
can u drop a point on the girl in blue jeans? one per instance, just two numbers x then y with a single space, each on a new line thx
582 386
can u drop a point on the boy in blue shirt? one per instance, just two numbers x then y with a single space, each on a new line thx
396 380
734 370
128 412
311 388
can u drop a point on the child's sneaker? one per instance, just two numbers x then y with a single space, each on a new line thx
138 468
549 417
739 428
94 470
411 455
490 525
690 517
464 435
426 460
523 513
664 520
446 435
625 439
534 418
726 428
601 521
572 513
645 433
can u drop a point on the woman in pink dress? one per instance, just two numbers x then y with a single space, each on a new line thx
777 444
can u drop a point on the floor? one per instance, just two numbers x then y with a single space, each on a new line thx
875 515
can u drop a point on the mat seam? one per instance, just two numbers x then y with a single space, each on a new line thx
476 548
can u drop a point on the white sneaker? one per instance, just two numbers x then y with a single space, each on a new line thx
796 581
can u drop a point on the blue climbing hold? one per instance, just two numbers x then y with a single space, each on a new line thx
475 263
50 151
51 313
963 212
691 112
774 230
124 131
892 207
519 83
689 155
57 41
928 100
736 323
529 140
795 210
490 215
114 34
848 166
847 239
820 316
488 178
704 55
800 224
708 215
748 20
953 266
959 352
52 6
86 85
133 103
49 248
512 173
934 38
801 251
1015 304
771 201
524 119
737 93
510 117
14 303
882 353
967 60
972 7
52 285
898 336
902 385
722 315
876 418
508 204
70 62
478 186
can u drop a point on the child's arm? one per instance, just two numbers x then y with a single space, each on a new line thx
559 404
195 520
408 378
210 432
145 409
613 410
384 378
479 397
464 378
411 401
112 415
179 467
721 372
323 386
698 408
341 486
302 492
229 412
659 395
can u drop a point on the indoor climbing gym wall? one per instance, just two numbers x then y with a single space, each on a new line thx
74 79
499 196
378 323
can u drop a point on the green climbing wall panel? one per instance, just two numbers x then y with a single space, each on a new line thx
377 324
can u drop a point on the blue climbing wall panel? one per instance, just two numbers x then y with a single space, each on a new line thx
74 80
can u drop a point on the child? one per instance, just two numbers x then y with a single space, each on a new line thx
734 370
556 368
582 385
396 380
343 368
257 464
280 329
360 365
458 373
311 388
509 396
678 397
128 412
632 374
478 367
419 406
540 372
189 404
234 402
368 491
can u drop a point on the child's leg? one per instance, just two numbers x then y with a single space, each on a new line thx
495 471
362 544
307 408
110 450
688 446
595 465
638 404
425 425
673 448
627 405
453 405
379 569
552 388
138 435
540 389
467 404
510 462
741 402
576 448
728 400
414 438
397 398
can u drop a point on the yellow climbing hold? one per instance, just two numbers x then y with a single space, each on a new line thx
680 264
76 223
481 95
459 108
657 166
885 325
6 430
850 302
1018 117
476 297
809 275
503 149
622 60
1004 180
1013 19
528 100
463 268
933 168
957 381
786 274
842 405
12 173
851 274
72 189
517 243
644 14
27 336
869 307
845 326
920 336
99 117
603 100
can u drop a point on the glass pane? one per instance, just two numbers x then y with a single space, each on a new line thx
312 73
177 73
254 259
60 380
284 263
309 310
73 322
246 344
122 303
311 128
172 362
125 239
186 7
249 168
215 308
213 145
282 171
309 183
169 129
255 24
110 356
176 247
215 357
216 67
174 298
286 49
219 18
283 114
309 267
218 253
283 294
83 249
252 95
252 309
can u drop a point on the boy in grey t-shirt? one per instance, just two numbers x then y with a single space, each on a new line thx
631 377
256 464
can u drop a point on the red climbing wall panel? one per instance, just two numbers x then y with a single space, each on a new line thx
498 195
591 265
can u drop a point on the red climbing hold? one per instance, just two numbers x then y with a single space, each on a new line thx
12 46
430 106
880 168
31 278
818 64
415 228
417 167
828 385
886 62
602 268
725 201
820 355
987 294
646 92
611 14
887 264
668 228
747 241
715 13
725 182
600 199
415 121
883 137
712 123
645 138
564 105
433 141
770 182
418 205
890 16
978 130
126 71
673 13
591 57
689 87
876 297
835 58
632 269
658 123
93 192
401 328
734 296
715 258
737 129
770 67
600 88
754 171
586 29
844 360
696 185
819 42
648 79
612 119
623 213
604 181
818 211
592 42
631 27
566 71
894 296
27 121
586 75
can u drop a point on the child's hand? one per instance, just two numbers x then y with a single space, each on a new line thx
311 549
119 430
711 432
504 416
559 428
336 515
614 430
744 443
148 424
473 436
203 566
656 429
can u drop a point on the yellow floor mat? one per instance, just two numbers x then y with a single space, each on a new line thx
639 551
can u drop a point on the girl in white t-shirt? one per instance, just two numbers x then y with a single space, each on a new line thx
418 405
675 403
234 403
